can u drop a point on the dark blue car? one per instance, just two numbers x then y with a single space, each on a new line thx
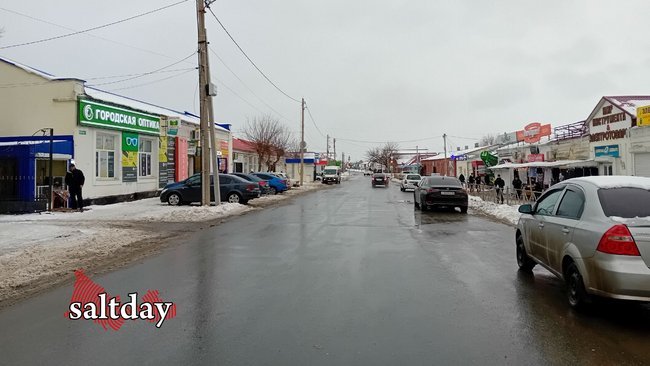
231 188
276 185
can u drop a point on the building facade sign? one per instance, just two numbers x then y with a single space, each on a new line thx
643 116
534 158
607 150
609 123
533 132
130 143
97 114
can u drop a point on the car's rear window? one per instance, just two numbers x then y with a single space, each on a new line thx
625 202
413 177
444 181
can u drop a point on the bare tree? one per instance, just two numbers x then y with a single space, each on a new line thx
269 137
487 140
383 155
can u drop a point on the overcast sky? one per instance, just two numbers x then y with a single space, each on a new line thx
369 70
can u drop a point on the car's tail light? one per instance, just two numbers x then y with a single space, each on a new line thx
432 190
618 240
251 187
262 184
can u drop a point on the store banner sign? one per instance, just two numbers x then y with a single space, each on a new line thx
130 157
162 162
172 126
608 150
534 158
533 132
643 116
101 115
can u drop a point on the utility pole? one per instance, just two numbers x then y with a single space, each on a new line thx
444 138
51 175
213 147
334 151
302 143
328 150
342 161
203 102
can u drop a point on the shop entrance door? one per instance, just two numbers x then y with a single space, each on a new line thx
606 169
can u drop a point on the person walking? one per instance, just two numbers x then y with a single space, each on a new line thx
478 182
471 182
461 178
517 184
75 180
499 184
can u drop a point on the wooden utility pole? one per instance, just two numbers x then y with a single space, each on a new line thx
203 101
334 151
302 143
328 150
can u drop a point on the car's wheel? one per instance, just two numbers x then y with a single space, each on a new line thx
272 190
576 293
523 260
174 199
234 197
463 209
402 189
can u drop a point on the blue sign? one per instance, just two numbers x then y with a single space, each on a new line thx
608 150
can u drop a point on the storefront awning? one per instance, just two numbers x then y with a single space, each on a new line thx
547 164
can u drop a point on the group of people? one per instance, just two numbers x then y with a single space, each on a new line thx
477 183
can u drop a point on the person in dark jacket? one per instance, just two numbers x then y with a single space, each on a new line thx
517 184
471 182
478 182
499 184
461 178
75 180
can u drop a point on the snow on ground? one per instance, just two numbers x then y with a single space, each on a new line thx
40 247
507 213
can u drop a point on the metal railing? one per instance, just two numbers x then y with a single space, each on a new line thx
511 196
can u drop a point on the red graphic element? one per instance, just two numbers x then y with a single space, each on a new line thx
86 291
152 297
533 132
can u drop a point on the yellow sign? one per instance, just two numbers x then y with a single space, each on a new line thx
162 149
129 159
643 116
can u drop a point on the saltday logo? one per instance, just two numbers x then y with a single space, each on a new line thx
90 301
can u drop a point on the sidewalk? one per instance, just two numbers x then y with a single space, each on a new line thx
503 212
38 251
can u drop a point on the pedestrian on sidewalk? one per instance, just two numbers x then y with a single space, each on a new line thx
516 184
471 182
461 178
499 184
478 183
75 180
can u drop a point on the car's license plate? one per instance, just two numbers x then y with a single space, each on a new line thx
379 179
447 193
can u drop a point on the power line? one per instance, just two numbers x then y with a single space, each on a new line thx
238 96
153 82
93 28
313 121
381 142
146 73
246 86
249 59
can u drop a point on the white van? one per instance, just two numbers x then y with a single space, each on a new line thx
332 174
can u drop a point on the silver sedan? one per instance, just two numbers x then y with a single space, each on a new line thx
593 232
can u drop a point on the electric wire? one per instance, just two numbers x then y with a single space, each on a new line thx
147 73
152 82
93 28
249 59
312 120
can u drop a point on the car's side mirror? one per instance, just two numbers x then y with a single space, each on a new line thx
526 209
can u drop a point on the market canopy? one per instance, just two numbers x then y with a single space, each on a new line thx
547 164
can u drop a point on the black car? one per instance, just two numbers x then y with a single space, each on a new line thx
231 188
264 184
380 179
440 191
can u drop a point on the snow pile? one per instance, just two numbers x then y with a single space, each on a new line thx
507 213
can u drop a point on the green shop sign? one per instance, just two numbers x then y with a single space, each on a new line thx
97 114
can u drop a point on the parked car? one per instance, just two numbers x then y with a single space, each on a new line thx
231 189
380 179
440 191
290 183
264 185
593 232
276 184
332 174
409 181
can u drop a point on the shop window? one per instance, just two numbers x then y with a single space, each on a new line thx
145 149
105 156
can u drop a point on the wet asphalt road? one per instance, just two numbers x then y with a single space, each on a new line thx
345 276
